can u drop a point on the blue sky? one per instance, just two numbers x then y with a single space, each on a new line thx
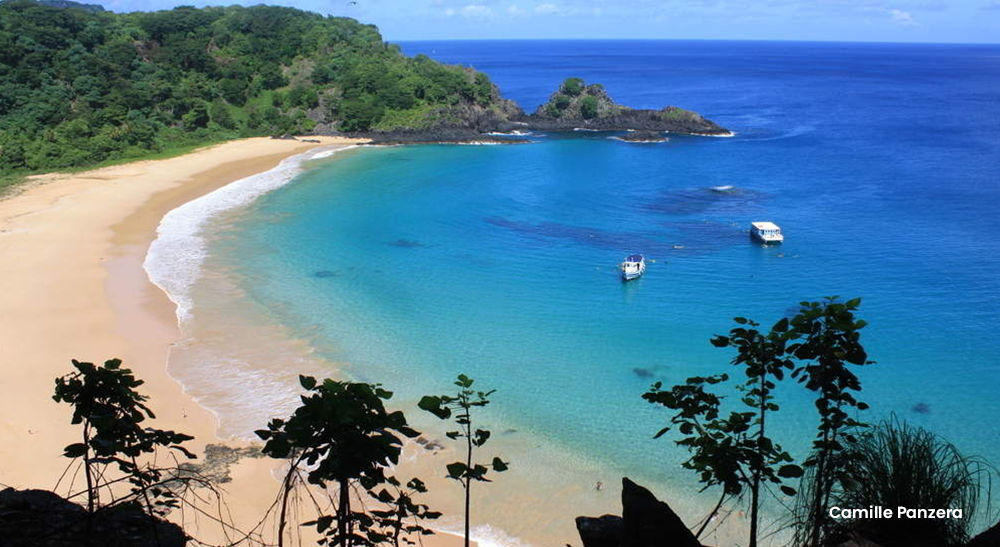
848 20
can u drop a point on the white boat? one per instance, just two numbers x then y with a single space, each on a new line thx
633 267
766 232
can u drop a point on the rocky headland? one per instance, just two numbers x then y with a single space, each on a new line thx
574 106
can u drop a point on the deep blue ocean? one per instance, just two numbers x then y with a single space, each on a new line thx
881 162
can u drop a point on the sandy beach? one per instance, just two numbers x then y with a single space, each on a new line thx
73 247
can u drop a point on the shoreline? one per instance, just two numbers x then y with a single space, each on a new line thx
104 222
76 244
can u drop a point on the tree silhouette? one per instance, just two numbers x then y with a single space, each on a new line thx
459 407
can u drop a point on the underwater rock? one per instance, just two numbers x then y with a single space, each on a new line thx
922 408
643 372
406 244
325 273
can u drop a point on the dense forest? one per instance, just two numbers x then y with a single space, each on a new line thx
82 86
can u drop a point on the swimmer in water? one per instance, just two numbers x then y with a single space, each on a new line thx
599 486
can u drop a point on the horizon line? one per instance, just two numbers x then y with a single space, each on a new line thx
760 40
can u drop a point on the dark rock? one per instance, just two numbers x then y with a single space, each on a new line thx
406 244
649 522
858 542
39 518
922 408
605 531
989 538
437 135
643 372
643 137
218 459
565 112
325 273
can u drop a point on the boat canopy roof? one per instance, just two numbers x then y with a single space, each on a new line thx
765 226
633 258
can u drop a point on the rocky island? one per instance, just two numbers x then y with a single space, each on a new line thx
576 105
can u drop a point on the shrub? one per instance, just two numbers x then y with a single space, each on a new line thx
896 464
588 107
572 86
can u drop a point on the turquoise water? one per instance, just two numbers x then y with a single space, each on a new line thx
409 265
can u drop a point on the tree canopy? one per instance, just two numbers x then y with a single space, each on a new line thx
78 87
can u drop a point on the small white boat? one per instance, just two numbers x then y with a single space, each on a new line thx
633 267
766 232
724 189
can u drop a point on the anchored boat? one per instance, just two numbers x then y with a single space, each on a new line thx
633 267
766 232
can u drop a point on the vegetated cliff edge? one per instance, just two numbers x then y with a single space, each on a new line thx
80 86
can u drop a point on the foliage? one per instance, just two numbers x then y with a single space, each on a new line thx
763 359
588 107
342 434
561 101
402 515
83 87
825 338
733 452
552 110
678 114
105 402
572 86
895 465
459 408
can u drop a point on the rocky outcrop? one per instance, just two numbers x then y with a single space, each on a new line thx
649 522
604 531
989 538
573 106
643 137
579 106
39 518
645 522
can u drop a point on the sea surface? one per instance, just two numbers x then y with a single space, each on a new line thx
409 265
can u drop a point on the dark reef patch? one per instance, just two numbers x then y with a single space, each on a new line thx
922 408
324 274
649 244
407 244
693 201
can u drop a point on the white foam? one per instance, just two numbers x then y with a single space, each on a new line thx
175 257
514 133
486 536
645 141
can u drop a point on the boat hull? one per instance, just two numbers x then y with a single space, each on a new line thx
766 240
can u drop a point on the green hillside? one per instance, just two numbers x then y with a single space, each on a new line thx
80 86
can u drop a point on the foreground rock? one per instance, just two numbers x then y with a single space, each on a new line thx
645 522
605 531
650 522
39 518
989 538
